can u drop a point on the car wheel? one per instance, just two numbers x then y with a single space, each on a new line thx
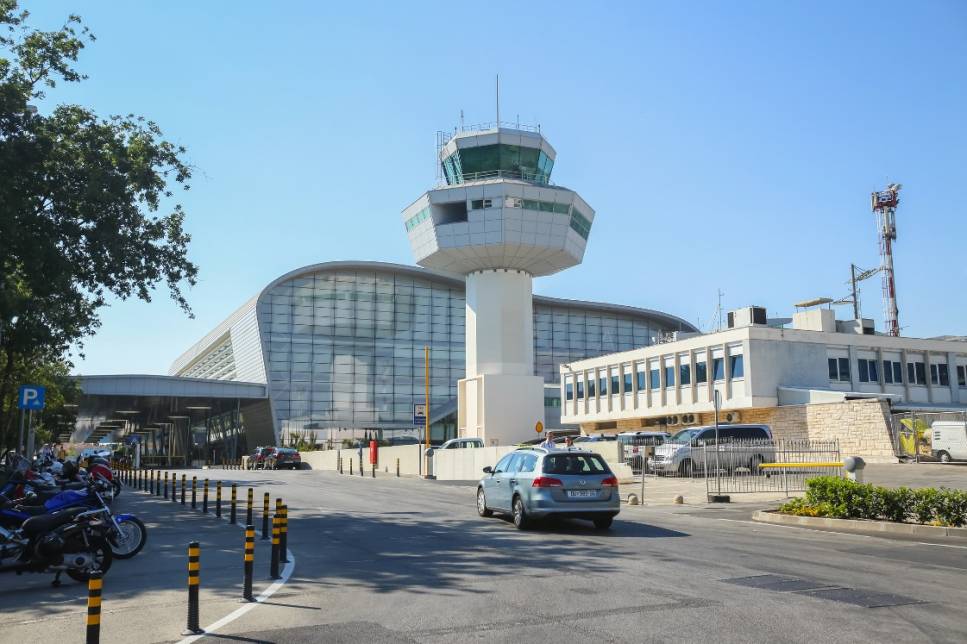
603 523
482 508
520 514
685 468
944 457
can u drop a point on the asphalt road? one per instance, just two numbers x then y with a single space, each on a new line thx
404 560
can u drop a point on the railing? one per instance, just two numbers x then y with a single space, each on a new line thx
534 177
913 436
491 125
767 466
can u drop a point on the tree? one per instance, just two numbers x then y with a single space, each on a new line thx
84 206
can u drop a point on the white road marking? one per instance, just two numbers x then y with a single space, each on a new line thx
941 545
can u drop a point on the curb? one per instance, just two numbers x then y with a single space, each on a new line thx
854 525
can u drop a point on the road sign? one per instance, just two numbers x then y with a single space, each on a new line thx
539 427
31 396
419 415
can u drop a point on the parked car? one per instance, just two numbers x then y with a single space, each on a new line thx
462 443
638 445
556 435
534 483
595 438
683 453
949 442
282 458
261 456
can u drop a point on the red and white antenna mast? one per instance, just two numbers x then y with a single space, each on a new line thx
884 207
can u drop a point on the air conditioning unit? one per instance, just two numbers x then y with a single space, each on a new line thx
730 417
689 419
672 420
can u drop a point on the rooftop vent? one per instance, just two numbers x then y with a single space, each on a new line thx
748 316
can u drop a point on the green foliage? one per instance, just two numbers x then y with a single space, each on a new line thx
840 498
84 205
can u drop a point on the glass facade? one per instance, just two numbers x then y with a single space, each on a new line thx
344 348
498 160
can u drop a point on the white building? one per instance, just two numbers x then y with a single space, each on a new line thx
822 378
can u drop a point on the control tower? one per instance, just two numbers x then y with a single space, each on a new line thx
500 222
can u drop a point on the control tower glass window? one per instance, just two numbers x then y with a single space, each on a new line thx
493 161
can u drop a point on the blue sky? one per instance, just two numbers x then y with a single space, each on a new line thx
723 145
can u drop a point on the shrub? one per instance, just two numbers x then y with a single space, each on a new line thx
840 498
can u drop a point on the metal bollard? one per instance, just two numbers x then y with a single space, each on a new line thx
374 469
284 536
194 578
157 484
94 585
265 516
166 485
249 561
362 468
150 489
194 492
218 499
350 467
183 489
249 503
397 468
339 463
231 516
204 498
274 564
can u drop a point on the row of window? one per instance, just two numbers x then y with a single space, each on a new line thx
499 160
417 219
892 372
652 379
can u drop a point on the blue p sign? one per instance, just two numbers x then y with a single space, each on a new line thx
31 397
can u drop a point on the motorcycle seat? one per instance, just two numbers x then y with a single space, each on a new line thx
46 522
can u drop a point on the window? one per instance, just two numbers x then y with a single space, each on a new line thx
916 373
961 376
833 369
552 402
614 384
580 390
575 463
934 378
897 373
944 375
701 373
655 380
603 386
417 219
503 463
736 366
887 372
591 388
527 463
480 204
670 376
641 381
684 374
569 391
580 223
867 370
839 369
627 382
718 369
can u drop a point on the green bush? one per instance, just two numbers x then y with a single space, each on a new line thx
840 498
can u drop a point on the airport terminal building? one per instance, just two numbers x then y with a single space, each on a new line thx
335 350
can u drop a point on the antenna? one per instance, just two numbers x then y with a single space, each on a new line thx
498 101
461 120
884 205
719 310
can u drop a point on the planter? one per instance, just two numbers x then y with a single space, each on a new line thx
859 525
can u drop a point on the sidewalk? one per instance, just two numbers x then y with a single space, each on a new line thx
145 599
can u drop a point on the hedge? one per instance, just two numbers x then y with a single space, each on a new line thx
840 498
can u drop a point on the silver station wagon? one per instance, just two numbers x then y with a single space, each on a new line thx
536 483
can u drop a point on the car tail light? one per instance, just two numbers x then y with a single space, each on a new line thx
546 481
610 482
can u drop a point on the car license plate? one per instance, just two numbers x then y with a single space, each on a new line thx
581 493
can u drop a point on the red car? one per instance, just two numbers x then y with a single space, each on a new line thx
282 458
256 461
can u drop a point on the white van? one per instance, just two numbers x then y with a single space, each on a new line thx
949 441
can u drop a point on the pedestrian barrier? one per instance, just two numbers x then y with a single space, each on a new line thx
249 561
218 500
94 586
265 516
284 535
194 579
231 516
274 563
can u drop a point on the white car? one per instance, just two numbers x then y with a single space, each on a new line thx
746 446
463 443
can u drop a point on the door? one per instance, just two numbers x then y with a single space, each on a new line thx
496 486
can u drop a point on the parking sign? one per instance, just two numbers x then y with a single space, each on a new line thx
31 396
419 415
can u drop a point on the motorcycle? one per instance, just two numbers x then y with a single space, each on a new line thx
73 541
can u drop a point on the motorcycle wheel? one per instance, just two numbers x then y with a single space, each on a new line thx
117 488
101 551
131 541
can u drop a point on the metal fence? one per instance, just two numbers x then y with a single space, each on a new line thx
768 466
912 435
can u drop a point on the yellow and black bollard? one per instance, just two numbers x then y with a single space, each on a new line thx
150 489
204 498
194 579
183 477
218 499
265 516
94 585
249 561
284 536
166 485
248 508
232 515
274 564
194 492
157 484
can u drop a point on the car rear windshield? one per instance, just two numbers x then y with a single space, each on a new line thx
574 464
